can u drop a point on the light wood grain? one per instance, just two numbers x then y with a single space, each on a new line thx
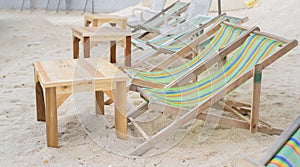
51 117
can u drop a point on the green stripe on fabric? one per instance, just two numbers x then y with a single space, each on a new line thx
289 154
160 20
225 35
253 50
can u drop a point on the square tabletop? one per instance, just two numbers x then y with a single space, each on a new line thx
56 73
81 32
104 17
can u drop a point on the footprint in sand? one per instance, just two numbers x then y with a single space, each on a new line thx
271 96
15 101
278 104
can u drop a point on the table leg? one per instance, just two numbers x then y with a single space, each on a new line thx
95 22
86 22
120 110
99 102
75 47
40 104
86 47
51 117
113 49
128 51
113 24
124 25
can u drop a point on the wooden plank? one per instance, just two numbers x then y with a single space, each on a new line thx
40 73
113 58
86 47
257 75
237 123
120 110
137 126
61 98
143 83
237 103
127 53
75 47
51 117
140 109
40 104
228 108
99 102
286 48
272 36
280 142
99 31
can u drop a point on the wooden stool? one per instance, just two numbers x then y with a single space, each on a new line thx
112 34
54 82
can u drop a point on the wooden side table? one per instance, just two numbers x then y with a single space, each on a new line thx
55 82
112 34
98 20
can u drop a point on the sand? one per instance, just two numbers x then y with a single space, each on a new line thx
37 35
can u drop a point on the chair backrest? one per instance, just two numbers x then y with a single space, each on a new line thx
198 7
286 149
158 5
223 36
254 49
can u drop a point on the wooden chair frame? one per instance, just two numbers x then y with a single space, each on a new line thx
161 14
185 115
191 48
279 143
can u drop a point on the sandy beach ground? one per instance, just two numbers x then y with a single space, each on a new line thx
27 36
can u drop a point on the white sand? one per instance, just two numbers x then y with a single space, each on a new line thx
27 36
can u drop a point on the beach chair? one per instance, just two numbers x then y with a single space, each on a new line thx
140 15
176 43
284 152
170 44
252 54
164 74
195 8
173 10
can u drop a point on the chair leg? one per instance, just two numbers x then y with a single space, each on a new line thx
48 2
93 7
22 7
57 8
255 98
85 5
32 4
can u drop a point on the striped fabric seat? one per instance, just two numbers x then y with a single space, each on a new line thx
251 52
224 35
158 21
289 154
185 29
177 32
177 46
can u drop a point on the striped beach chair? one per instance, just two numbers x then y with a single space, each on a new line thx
252 53
196 7
175 9
289 154
285 152
141 15
159 77
179 42
190 31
